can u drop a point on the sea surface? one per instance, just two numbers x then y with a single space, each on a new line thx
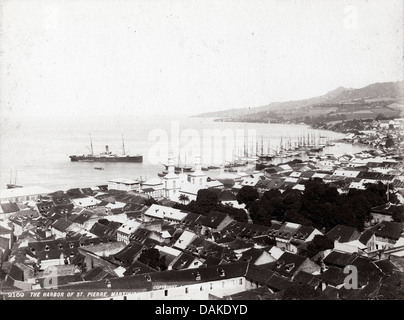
34 151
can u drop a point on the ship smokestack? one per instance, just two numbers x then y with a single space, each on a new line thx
106 149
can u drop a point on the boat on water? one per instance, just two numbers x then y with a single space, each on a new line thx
98 168
13 185
213 167
316 148
180 167
266 157
162 174
106 156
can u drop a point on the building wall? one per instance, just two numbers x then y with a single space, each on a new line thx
22 285
378 243
172 188
4 216
58 234
284 244
198 291
51 262
345 247
377 217
23 198
91 261
17 230
115 185
124 237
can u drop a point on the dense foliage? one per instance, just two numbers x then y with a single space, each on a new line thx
151 257
247 195
207 201
318 244
320 205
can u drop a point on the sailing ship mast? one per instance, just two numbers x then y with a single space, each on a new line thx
13 185
262 145
91 145
123 146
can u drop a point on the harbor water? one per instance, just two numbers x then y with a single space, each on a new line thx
35 151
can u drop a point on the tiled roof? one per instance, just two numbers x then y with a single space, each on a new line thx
259 274
213 219
333 275
338 259
127 254
288 264
10 207
343 233
385 229
183 261
137 268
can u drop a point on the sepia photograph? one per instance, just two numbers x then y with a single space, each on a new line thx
201 155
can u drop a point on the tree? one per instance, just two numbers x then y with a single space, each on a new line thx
237 214
259 214
389 143
150 201
247 195
206 197
151 257
183 198
380 116
318 244
398 214
105 222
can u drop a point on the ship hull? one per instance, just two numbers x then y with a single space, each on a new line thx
262 166
106 159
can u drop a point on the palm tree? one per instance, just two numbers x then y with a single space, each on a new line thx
183 198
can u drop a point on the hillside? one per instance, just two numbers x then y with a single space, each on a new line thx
369 97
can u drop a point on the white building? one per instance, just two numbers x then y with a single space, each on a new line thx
346 173
86 202
185 240
198 177
171 181
125 230
165 213
153 187
124 184
23 194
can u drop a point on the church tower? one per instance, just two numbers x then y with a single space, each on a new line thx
198 177
171 180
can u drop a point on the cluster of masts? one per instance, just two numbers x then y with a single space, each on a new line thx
303 143
255 150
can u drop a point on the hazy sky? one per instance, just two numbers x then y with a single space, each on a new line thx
99 57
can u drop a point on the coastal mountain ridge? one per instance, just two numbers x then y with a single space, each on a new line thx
377 91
